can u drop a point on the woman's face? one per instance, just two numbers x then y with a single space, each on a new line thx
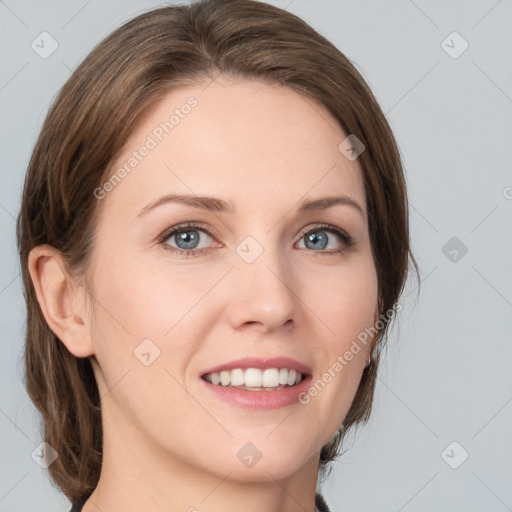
265 279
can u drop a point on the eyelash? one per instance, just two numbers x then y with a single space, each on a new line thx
347 239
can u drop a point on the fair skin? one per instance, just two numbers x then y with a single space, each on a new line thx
168 443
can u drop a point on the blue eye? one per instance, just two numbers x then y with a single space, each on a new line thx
318 240
186 238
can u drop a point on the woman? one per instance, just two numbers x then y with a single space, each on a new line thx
213 239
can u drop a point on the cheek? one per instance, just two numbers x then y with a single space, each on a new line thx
142 342
346 302
143 309
347 309
150 300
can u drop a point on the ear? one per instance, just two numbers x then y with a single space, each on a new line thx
61 300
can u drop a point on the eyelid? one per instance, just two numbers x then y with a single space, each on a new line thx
186 226
327 227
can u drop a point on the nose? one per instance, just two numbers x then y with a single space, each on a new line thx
263 294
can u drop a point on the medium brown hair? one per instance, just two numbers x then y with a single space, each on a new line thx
85 129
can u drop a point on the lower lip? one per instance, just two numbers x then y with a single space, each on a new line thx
260 399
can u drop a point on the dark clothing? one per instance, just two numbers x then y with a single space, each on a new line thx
77 506
321 505
319 501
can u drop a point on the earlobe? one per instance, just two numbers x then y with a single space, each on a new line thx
58 298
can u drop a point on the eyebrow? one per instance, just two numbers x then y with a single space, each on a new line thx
219 205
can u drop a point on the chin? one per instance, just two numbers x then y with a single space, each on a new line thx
263 461
274 468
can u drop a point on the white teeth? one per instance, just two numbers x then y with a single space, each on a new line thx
237 377
255 378
271 378
225 378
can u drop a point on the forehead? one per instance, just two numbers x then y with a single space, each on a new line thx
245 139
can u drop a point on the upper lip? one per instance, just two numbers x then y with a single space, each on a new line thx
262 363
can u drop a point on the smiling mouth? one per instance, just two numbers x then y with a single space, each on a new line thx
255 379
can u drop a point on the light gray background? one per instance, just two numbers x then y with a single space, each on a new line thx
447 376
